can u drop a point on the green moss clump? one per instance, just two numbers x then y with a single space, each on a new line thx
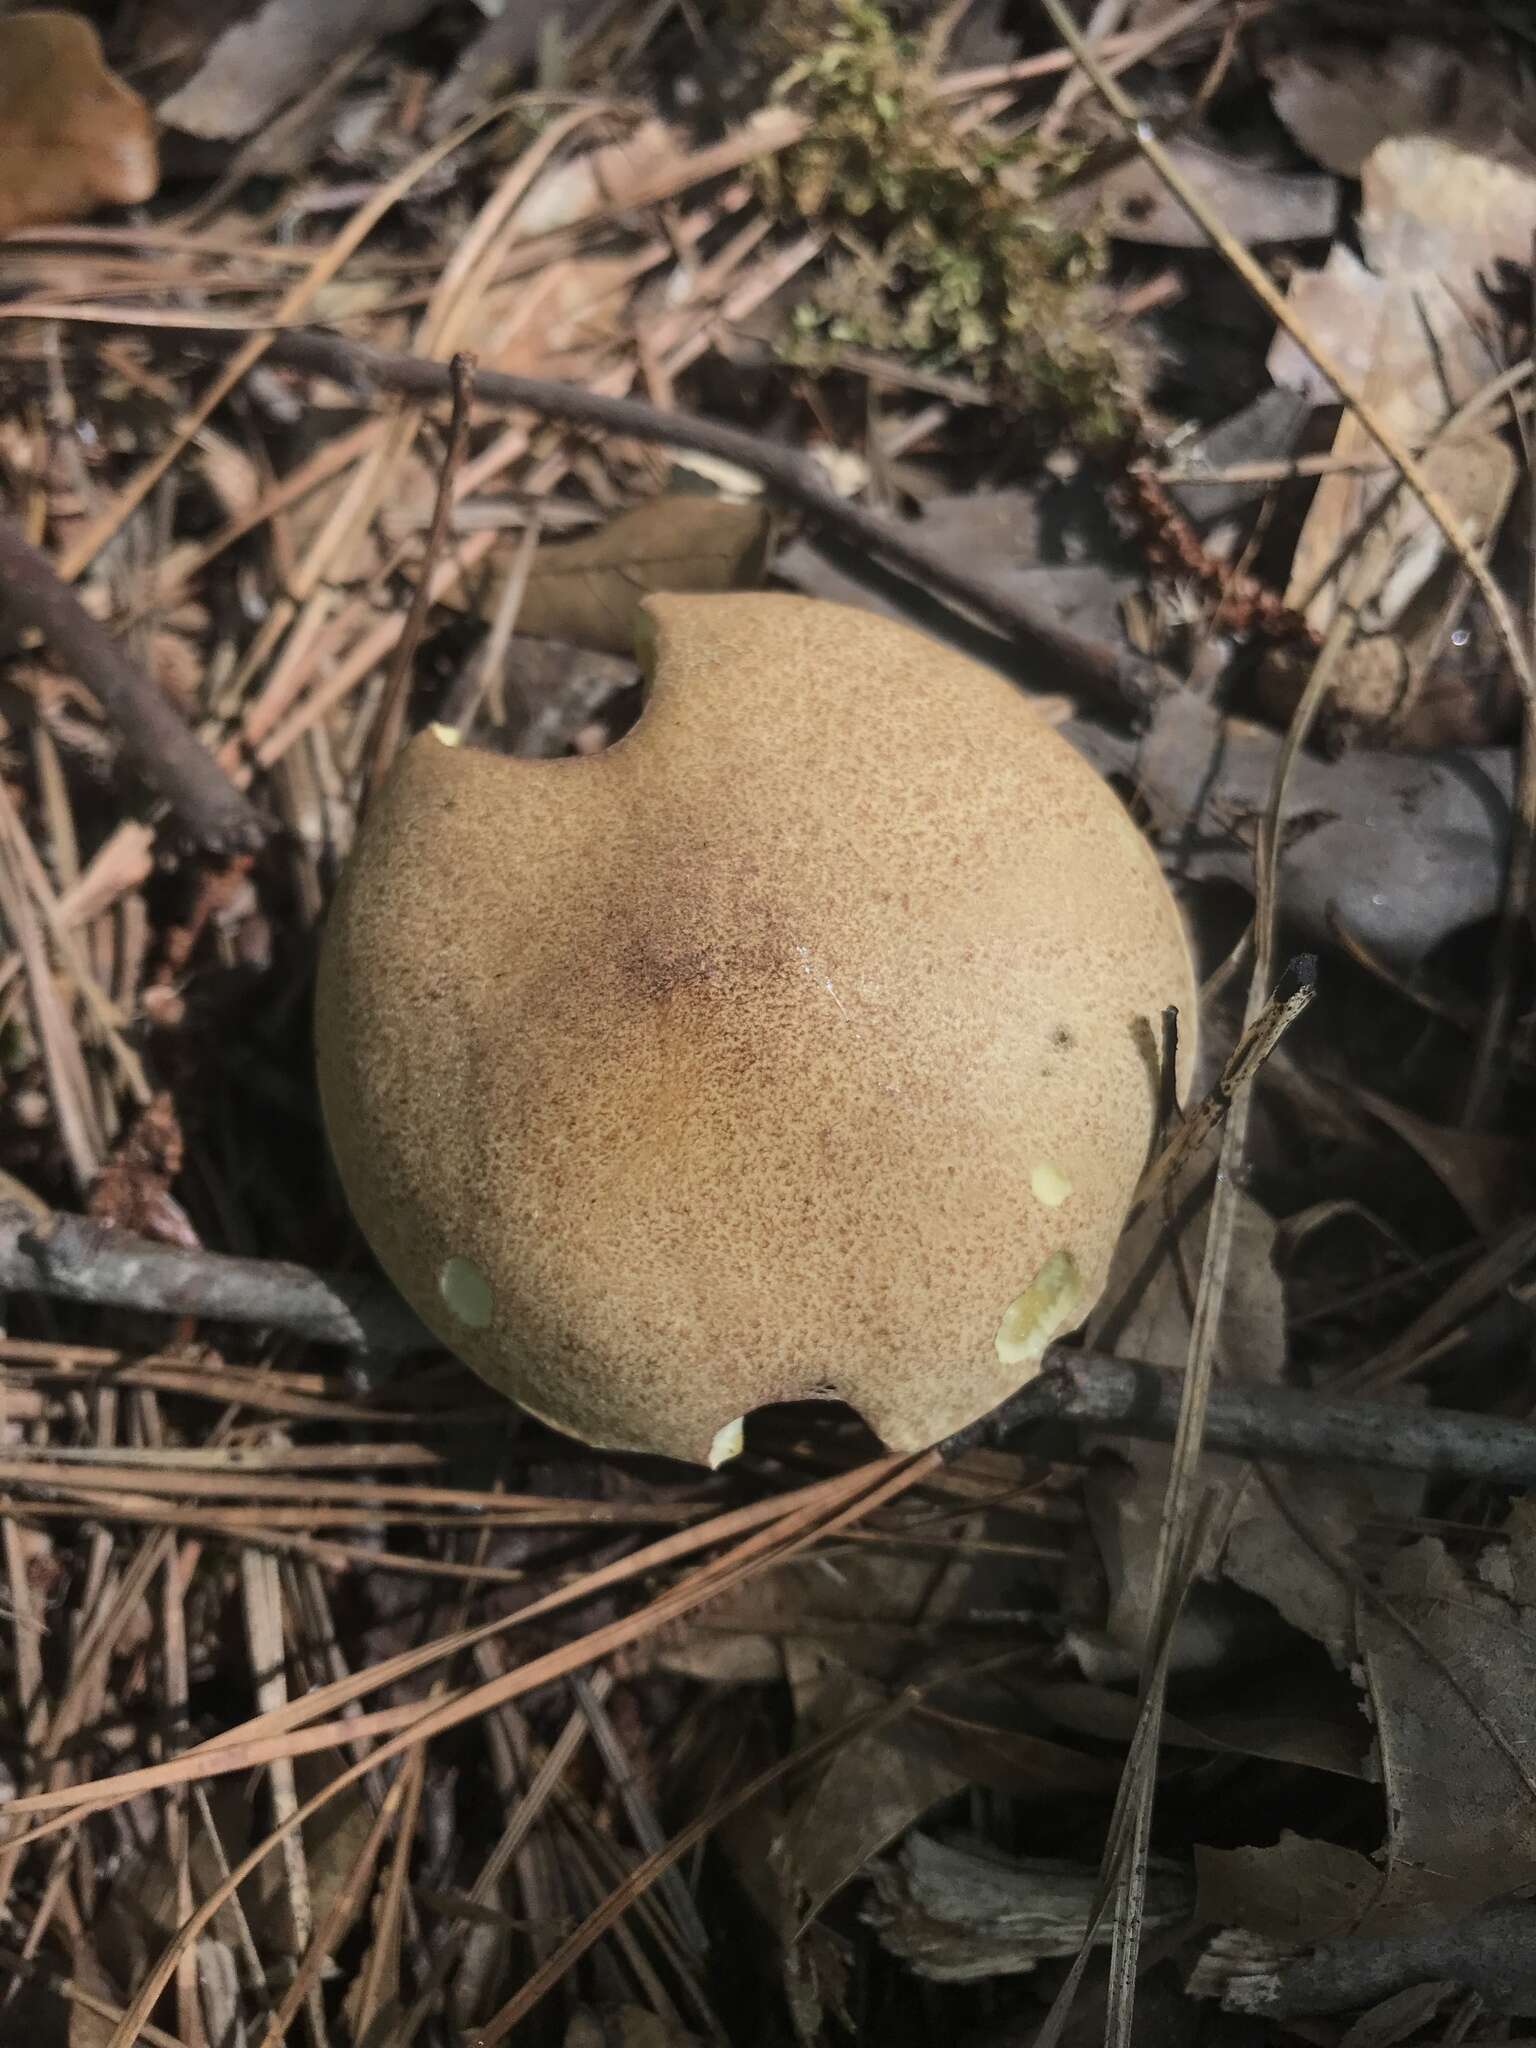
948 256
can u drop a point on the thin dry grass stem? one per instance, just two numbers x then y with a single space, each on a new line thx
81 1996
69 1085
1181 1536
339 1916
262 1596
485 682
389 725
176 1693
382 1964
858 1493
247 1957
1512 944
454 297
245 1746
327 1501
103 1011
1258 1040
642 1815
520 1823
255 1532
293 306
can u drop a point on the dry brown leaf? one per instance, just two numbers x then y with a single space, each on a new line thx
626 2026
958 1911
1448 1658
1257 203
1294 1720
1489 1176
88 2028
73 136
1454 1693
868 1795
1298 1890
1146 1313
588 591
1400 850
1340 100
262 62
1403 331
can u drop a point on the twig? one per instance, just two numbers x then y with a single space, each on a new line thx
1072 661
384 741
1128 1398
1253 1048
162 749
74 1259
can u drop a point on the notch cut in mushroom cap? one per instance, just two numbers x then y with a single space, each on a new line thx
802 1043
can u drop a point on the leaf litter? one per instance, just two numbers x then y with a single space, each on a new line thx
845 1726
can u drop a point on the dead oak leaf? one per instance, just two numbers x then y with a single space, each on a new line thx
589 591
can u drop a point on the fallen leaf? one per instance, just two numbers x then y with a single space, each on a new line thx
1488 1175
588 591
869 1794
505 47
1256 203
1450 1660
1145 1313
1403 332
1299 1890
1401 850
957 1911
625 2026
274 55
73 136
1342 99
1295 1722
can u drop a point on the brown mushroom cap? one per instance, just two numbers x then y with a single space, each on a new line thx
802 1043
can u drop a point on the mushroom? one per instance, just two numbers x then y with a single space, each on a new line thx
802 1044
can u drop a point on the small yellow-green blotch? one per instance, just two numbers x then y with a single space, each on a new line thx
726 1445
448 735
1048 1184
466 1293
1034 1317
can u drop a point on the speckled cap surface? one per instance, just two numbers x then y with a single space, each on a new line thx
802 1043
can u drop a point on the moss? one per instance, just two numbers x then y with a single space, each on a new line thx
946 253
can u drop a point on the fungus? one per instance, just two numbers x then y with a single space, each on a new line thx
794 1046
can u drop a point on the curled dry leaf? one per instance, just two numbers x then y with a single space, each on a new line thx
1399 850
958 1911
274 54
1447 1658
1341 99
1488 1175
73 136
588 591
1256 203
1437 219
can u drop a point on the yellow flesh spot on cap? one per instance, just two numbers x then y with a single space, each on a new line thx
1032 1318
466 1292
